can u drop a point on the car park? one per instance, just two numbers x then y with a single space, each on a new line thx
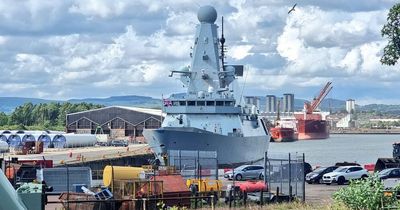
316 175
344 174
245 172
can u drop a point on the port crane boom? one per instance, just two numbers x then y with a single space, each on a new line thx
310 107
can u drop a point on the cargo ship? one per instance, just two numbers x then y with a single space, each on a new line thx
311 127
311 124
279 134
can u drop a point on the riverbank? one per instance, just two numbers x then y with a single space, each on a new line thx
366 131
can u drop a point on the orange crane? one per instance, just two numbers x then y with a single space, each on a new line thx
310 107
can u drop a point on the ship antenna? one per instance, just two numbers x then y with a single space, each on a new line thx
244 84
222 40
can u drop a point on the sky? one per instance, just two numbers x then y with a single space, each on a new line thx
100 48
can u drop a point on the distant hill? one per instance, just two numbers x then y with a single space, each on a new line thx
130 100
8 104
326 105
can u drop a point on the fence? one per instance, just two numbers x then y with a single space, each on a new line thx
85 203
194 163
285 174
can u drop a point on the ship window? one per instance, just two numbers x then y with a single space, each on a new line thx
175 103
191 103
229 103
182 103
201 103
220 103
210 103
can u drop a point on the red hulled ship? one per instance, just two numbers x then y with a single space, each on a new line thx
310 124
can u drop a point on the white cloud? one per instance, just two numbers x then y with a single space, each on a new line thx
102 48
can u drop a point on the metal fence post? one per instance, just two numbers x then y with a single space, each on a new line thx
290 178
304 181
67 187
144 203
212 202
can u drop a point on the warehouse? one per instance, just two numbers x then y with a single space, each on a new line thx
117 121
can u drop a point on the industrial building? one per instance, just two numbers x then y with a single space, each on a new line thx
271 103
288 102
350 106
117 121
348 121
253 100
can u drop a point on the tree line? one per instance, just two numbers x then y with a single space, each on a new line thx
42 116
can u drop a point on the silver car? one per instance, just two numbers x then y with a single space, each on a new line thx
245 172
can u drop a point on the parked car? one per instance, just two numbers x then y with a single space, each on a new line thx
245 172
278 171
119 143
389 173
316 175
343 174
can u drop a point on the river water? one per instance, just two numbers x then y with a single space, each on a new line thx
363 149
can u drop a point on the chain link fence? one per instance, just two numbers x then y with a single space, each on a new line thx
194 163
285 175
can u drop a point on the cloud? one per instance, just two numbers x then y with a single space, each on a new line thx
73 49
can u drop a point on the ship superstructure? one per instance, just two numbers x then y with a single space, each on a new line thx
211 115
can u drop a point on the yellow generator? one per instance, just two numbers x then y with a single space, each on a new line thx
204 185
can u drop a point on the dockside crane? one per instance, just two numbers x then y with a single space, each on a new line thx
310 107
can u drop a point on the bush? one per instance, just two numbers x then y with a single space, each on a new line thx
365 194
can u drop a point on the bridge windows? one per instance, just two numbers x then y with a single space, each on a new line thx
201 103
210 103
219 103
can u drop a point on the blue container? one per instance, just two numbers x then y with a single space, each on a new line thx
103 195
78 187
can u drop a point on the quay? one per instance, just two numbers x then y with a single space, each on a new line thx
365 131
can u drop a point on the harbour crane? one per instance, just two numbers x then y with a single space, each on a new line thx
310 107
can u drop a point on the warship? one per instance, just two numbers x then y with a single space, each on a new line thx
211 115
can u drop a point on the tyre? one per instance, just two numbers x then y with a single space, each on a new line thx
328 183
238 177
309 182
364 176
341 180
261 177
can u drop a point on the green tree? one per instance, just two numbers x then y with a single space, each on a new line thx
3 119
391 30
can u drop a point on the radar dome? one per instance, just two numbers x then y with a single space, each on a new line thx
207 14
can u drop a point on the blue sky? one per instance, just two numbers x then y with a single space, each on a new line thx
98 48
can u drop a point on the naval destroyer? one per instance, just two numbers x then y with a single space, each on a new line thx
211 115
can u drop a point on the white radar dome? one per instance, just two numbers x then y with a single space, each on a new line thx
207 14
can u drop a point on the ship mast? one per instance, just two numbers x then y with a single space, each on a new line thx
222 41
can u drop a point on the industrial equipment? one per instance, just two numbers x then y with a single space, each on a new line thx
29 147
204 185
111 173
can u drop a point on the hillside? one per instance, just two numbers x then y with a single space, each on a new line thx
8 104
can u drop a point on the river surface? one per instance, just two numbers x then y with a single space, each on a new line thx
363 149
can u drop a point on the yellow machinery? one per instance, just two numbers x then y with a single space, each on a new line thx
205 185
120 173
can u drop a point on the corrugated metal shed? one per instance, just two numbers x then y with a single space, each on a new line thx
118 120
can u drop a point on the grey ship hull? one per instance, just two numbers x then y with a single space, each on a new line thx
231 150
